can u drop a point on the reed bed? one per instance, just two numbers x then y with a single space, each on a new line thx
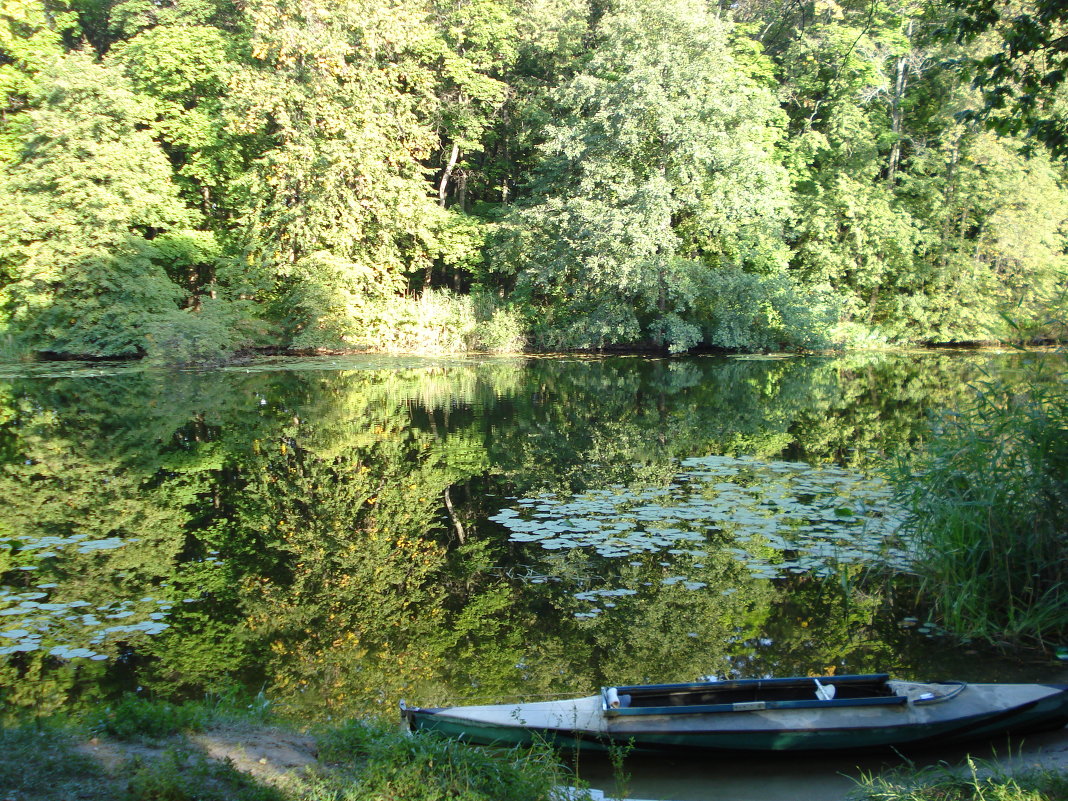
987 504
976 780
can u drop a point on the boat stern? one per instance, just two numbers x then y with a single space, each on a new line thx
413 717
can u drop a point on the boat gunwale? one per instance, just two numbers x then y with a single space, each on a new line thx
732 684
756 705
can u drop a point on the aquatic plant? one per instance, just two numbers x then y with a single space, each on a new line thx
776 517
976 780
987 508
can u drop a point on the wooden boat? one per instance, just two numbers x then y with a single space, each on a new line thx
832 713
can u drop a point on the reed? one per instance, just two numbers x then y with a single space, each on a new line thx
987 503
976 780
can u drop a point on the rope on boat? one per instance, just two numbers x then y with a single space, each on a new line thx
938 699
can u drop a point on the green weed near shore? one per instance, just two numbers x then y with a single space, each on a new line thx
157 760
988 502
982 781
390 763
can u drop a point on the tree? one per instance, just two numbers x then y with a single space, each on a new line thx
89 192
186 69
339 209
900 206
31 40
659 166
476 41
1022 76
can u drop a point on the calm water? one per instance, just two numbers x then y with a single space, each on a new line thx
343 533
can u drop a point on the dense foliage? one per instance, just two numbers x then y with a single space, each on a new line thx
184 179
988 501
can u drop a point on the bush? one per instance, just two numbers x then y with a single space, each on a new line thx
499 329
433 322
739 310
421 767
133 718
208 335
988 509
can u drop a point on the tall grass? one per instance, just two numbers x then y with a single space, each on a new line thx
977 781
392 764
438 322
988 512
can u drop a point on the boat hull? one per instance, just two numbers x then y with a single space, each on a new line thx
979 712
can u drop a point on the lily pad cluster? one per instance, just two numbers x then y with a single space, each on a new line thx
73 629
777 517
30 620
76 629
44 547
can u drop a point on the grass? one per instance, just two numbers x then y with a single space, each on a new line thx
184 775
158 761
982 781
988 511
391 763
42 763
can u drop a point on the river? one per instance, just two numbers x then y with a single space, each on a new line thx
340 533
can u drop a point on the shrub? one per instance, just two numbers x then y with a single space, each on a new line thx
988 509
208 335
421 767
134 717
739 310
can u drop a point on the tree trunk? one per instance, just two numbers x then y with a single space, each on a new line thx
461 190
896 113
895 119
461 535
949 198
443 186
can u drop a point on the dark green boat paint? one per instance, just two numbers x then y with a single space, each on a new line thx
903 724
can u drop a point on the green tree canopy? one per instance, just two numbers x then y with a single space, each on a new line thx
659 167
89 192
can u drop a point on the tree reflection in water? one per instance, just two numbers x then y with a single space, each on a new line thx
342 532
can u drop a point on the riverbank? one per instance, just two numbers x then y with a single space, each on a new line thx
240 761
235 760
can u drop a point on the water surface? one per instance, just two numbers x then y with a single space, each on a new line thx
342 533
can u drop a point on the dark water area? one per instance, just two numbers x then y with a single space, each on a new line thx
343 533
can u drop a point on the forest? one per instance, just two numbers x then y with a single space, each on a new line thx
185 180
